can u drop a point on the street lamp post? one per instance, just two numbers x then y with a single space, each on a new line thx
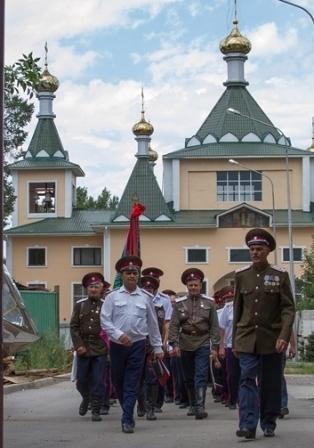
288 143
235 162
300 7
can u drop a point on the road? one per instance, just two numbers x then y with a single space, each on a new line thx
48 418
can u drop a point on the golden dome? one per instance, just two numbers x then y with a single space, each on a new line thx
47 82
152 155
235 42
143 127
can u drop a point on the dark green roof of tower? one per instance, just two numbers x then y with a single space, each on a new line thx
46 138
143 187
44 163
219 122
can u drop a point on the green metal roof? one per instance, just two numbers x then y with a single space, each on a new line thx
219 122
237 149
45 163
87 222
143 186
81 222
46 138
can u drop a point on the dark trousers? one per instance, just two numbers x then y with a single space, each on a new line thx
90 375
233 376
195 367
260 400
126 370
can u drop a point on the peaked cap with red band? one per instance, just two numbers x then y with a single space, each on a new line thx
260 237
129 263
92 278
153 272
227 292
148 281
192 274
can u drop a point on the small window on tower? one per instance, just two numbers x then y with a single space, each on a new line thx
42 197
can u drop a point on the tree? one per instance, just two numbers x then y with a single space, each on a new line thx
21 79
307 281
105 201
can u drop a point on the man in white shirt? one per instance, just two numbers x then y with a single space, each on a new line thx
128 316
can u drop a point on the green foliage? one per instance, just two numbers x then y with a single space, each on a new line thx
105 201
309 349
305 304
20 81
305 284
46 353
300 368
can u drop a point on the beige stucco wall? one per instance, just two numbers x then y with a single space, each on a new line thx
25 177
59 270
198 183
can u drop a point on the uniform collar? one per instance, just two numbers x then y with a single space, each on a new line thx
136 291
260 268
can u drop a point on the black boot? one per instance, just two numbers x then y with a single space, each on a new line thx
96 411
84 406
200 412
192 401
151 398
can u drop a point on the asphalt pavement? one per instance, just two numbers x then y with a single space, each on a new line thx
47 417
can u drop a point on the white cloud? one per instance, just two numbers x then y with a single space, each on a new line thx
267 41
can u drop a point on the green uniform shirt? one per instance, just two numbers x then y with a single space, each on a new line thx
85 327
194 323
264 309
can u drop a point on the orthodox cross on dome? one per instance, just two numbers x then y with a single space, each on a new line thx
46 54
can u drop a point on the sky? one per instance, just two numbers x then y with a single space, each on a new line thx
104 51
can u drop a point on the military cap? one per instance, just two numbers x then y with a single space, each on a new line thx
92 278
192 274
106 285
169 292
227 292
148 281
153 272
260 237
129 263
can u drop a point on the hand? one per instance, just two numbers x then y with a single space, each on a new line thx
176 351
81 351
281 345
125 340
292 351
222 352
159 356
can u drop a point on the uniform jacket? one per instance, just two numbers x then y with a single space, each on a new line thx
85 327
194 323
263 309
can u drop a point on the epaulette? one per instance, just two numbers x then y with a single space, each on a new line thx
277 268
180 299
82 300
161 294
208 298
102 300
146 292
243 269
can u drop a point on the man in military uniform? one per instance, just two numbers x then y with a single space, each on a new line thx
263 317
193 326
128 316
90 348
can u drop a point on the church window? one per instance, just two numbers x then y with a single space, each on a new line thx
243 217
298 254
42 197
36 256
239 255
196 255
86 256
239 186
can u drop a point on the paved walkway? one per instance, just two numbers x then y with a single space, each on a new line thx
47 418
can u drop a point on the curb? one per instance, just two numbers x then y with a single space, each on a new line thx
36 384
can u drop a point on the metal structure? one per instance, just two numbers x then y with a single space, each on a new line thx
18 328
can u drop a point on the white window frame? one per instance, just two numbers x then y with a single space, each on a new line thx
206 248
72 293
250 192
87 246
46 257
294 247
229 249
37 282
42 215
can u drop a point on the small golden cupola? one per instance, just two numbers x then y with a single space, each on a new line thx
143 127
152 155
235 42
47 81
